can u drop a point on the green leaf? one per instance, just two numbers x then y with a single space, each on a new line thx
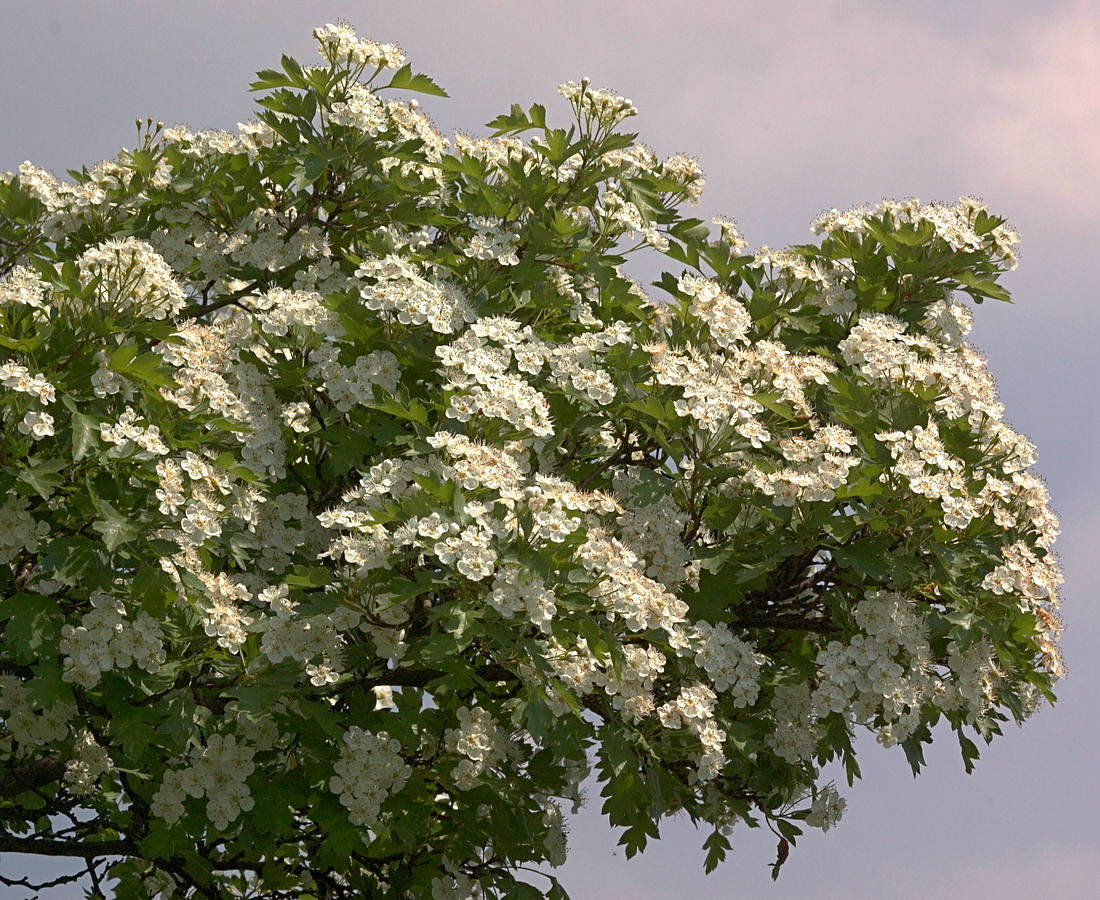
970 752
266 79
414 412
263 693
47 687
869 558
85 435
43 476
637 836
153 590
132 727
293 68
406 80
511 122
148 367
33 625
308 577
978 287
341 839
314 165
717 846
914 752
72 559
115 528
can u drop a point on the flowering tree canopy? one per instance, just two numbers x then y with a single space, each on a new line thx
358 507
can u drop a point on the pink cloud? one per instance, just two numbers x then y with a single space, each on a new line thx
1039 131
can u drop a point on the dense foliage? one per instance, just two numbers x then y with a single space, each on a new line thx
358 507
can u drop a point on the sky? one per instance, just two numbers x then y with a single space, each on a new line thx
791 107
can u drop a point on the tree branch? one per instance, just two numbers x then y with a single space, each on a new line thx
31 775
9 843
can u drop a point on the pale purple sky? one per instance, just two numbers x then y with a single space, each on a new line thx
791 107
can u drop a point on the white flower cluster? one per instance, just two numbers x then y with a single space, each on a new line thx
517 589
26 726
288 635
91 761
126 433
217 771
617 215
656 534
279 310
413 125
107 639
624 591
815 468
36 424
18 378
492 241
576 668
718 390
827 808
726 317
470 551
285 526
631 161
398 291
207 368
361 110
37 182
597 103
480 740
19 530
23 287
479 370
206 499
506 397
693 709
687 174
630 685
202 144
948 321
265 239
930 471
499 152
347 386
1025 574
881 348
369 770
338 43
477 373
221 610
883 671
132 277
474 464
105 380
732 664
795 732
730 234
974 679
74 204
826 284
454 885
556 842
573 364
582 290
953 224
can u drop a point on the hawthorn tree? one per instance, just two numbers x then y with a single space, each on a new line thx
358 507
